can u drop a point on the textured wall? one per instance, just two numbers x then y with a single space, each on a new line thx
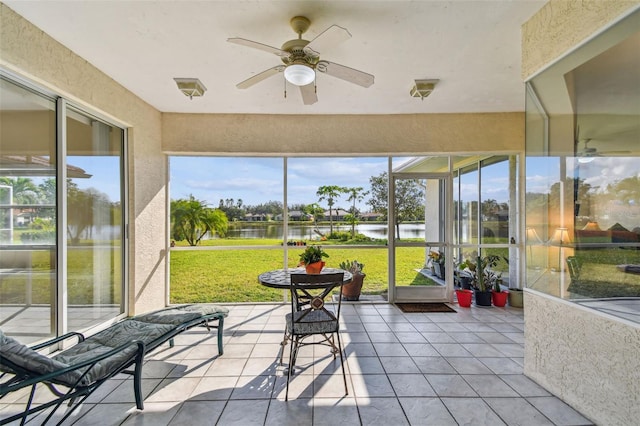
342 134
29 52
562 24
589 360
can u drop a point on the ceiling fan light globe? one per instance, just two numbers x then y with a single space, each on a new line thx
300 75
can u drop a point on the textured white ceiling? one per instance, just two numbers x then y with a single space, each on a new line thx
473 47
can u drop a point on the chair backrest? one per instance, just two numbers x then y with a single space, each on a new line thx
573 265
309 291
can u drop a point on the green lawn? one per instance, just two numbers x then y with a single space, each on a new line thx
232 275
81 277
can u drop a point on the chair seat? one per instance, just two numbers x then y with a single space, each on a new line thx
310 321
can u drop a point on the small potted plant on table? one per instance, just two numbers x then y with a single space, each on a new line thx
351 291
311 259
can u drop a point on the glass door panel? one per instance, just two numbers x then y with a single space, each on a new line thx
95 230
420 202
27 214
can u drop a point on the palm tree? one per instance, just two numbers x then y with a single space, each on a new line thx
355 195
191 220
24 190
330 193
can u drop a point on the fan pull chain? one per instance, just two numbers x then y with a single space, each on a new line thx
285 87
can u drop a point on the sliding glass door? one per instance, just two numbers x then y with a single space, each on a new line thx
62 217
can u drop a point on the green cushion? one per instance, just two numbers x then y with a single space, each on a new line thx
34 362
177 315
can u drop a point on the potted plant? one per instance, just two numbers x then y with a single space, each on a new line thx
437 263
352 290
462 277
464 297
499 296
311 259
483 277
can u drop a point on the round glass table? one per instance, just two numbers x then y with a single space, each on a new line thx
281 278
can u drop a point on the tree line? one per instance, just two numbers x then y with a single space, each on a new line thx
83 206
192 219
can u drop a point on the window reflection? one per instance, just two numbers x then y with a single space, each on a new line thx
94 221
27 213
583 177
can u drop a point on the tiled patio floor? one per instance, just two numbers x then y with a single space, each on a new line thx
461 368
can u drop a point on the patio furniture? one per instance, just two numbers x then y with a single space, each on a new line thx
83 367
281 278
311 321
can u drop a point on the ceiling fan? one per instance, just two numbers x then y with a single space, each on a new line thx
301 60
588 153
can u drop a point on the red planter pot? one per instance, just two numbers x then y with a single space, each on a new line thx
314 268
499 298
464 298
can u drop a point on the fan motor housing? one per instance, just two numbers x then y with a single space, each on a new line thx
297 54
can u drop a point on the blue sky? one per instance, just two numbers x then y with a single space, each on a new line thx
260 179
257 180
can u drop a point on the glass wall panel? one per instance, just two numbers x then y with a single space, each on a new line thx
582 174
27 213
95 230
494 200
335 202
457 208
469 190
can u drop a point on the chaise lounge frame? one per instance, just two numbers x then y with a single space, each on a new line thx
128 355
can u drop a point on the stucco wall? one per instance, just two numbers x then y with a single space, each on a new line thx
28 52
560 25
342 134
586 358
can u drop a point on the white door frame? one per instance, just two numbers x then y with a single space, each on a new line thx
398 293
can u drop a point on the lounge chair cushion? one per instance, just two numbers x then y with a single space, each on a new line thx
118 334
181 314
33 361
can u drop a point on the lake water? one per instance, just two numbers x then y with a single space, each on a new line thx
307 232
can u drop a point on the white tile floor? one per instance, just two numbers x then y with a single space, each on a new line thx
461 368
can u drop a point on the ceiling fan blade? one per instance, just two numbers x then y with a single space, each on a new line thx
308 92
259 77
329 37
351 75
259 46
613 152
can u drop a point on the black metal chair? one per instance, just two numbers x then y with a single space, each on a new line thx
311 317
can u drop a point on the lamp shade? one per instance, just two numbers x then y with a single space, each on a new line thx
585 160
300 75
591 226
532 236
561 236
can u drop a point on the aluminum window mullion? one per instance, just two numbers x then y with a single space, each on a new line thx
391 241
285 220
59 311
